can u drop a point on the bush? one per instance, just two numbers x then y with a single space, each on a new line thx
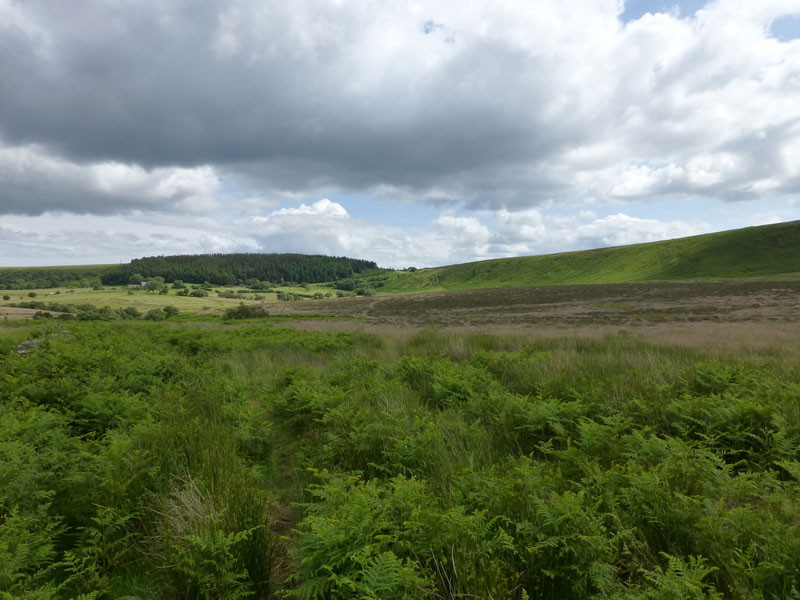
245 311
6 297
171 311
156 314
31 294
201 293
346 285
131 312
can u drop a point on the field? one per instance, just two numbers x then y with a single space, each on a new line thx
529 308
120 297
613 441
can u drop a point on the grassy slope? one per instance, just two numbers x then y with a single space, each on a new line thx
763 251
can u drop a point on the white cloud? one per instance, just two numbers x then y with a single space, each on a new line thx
35 181
322 207
532 232
621 229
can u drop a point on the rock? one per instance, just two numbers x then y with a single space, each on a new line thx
29 346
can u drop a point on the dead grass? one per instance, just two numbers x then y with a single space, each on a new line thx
725 320
10 313
620 305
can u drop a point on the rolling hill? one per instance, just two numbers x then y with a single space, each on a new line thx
771 251
763 251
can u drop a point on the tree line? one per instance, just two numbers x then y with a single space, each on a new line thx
37 278
230 269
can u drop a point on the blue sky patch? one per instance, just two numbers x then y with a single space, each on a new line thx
786 28
634 9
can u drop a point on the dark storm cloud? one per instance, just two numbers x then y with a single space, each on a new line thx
485 104
152 84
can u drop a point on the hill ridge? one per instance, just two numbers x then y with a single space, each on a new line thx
756 251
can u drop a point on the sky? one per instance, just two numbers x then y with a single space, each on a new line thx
411 133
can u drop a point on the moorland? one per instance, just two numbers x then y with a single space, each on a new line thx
636 438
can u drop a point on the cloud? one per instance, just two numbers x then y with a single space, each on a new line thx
325 227
489 105
82 246
34 181
226 122
531 232
322 207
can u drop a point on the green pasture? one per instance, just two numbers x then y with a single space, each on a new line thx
121 297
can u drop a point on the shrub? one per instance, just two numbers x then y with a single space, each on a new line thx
346 285
31 294
131 312
155 314
245 311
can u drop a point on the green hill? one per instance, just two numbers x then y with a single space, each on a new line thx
763 251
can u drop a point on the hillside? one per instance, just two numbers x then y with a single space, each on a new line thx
763 251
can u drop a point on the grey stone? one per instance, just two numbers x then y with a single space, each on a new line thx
29 346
